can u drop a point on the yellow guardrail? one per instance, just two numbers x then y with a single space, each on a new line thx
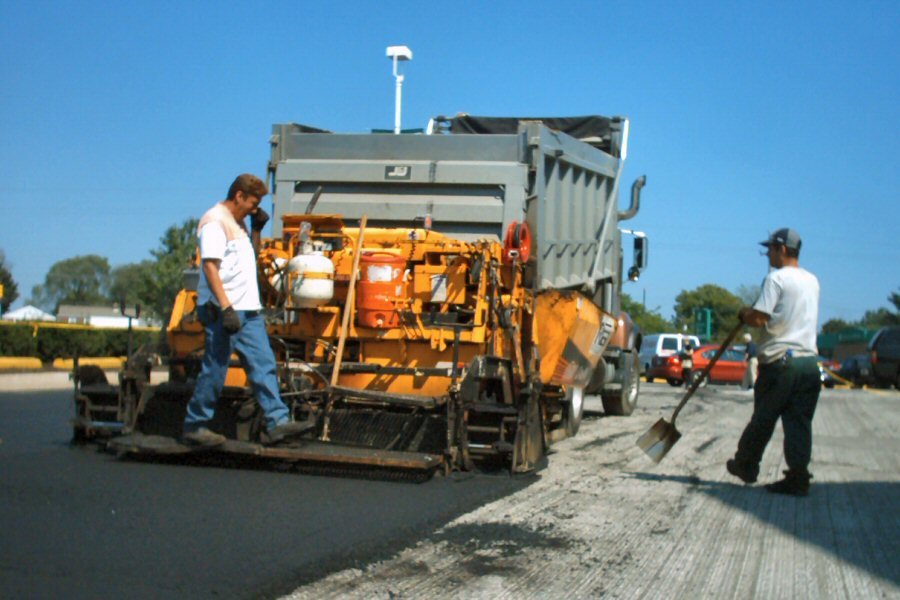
17 363
36 325
24 363
836 377
104 362
845 383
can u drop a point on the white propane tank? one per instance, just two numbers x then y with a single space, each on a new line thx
313 276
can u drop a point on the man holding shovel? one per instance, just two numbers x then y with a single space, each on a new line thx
788 383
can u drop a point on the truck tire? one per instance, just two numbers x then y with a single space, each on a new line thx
573 409
622 402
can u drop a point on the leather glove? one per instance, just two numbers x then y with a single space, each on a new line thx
259 219
230 320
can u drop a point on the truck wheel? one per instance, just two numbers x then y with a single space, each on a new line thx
622 402
573 409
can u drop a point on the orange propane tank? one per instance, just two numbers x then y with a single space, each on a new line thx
380 287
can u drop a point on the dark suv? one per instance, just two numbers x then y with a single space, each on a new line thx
884 354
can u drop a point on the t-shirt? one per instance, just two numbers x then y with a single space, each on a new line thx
751 350
222 237
790 296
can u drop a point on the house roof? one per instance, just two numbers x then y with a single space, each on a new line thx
28 313
82 312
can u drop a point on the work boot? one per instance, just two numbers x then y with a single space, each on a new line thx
287 429
203 437
742 471
792 485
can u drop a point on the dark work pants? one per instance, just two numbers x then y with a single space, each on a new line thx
788 389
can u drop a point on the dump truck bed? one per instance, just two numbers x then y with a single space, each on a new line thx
472 185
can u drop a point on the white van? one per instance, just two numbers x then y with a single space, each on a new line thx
663 344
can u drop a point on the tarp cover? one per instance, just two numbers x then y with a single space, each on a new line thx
592 129
301 128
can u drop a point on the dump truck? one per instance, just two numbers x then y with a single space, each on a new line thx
436 301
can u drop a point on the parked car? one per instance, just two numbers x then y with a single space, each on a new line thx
826 368
662 344
884 356
666 367
856 369
729 368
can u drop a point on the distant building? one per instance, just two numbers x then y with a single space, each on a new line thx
96 316
28 313
844 343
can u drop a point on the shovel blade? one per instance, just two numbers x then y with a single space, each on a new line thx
658 440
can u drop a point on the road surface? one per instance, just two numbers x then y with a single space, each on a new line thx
78 523
600 520
604 521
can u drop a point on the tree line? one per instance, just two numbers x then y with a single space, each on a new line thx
90 280
724 307
154 283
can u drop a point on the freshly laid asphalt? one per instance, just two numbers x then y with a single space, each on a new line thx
80 523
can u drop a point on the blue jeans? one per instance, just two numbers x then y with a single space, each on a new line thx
251 343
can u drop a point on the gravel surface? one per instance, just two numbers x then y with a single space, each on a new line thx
603 520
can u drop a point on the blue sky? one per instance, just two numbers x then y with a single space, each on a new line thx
120 119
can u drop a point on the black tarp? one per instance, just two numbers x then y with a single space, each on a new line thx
593 129
300 128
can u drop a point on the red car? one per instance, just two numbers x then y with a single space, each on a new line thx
728 369
666 367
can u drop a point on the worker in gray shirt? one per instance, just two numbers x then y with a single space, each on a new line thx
788 384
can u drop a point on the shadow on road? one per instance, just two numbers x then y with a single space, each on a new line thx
855 521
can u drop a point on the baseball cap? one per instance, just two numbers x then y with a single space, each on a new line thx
784 236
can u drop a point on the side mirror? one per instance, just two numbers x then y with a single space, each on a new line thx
641 250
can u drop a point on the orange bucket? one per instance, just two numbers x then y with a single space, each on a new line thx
380 286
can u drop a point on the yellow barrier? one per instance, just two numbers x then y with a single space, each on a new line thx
53 325
15 363
104 362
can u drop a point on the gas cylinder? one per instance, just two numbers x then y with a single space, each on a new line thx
312 274
380 287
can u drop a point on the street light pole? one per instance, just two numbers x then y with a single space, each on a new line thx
397 54
398 98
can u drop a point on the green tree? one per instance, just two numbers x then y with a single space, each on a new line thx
880 317
724 306
178 246
835 326
81 280
10 288
748 293
650 321
130 282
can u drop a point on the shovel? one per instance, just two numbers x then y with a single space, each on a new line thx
660 438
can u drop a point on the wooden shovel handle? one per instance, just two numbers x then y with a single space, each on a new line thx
705 373
348 307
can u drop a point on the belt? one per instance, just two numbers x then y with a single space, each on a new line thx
788 358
